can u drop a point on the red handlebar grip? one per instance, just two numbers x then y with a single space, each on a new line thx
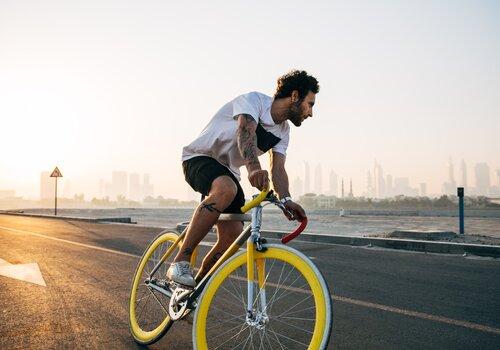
295 233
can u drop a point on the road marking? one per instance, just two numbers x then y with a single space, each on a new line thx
338 298
422 315
23 272
81 244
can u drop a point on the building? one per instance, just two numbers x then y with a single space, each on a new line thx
147 187
325 202
134 187
450 186
402 187
378 175
118 184
482 172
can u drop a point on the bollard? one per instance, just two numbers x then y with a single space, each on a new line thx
460 194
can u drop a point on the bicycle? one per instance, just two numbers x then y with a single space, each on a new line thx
269 295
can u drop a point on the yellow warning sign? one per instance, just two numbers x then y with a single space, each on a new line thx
56 173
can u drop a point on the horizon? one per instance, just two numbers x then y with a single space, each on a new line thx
407 86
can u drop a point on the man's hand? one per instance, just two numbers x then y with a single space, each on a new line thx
296 210
259 178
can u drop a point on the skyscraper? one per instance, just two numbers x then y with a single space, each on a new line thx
342 196
378 174
134 187
450 186
119 184
147 187
307 180
498 177
482 172
351 194
334 186
318 179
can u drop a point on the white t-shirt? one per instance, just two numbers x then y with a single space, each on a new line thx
219 140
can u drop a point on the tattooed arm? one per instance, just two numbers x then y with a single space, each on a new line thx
247 144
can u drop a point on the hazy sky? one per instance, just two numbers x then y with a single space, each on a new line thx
96 86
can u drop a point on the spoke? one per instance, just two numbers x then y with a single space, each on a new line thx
241 294
145 303
285 289
226 321
233 295
288 338
224 311
296 318
275 337
229 338
295 305
159 302
291 325
229 330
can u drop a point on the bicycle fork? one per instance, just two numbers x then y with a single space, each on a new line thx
257 318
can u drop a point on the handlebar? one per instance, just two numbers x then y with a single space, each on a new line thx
295 233
255 202
273 199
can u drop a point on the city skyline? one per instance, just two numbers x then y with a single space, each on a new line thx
128 185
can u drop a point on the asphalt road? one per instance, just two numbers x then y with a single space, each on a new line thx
382 299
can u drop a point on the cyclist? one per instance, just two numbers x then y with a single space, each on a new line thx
242 130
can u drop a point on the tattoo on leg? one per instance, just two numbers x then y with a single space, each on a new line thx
210 207
188 251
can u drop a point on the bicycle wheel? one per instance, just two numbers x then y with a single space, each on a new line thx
297 305
148 308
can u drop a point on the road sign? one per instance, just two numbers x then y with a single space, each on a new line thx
56 173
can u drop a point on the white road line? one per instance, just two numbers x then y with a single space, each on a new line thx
338 298
422 315
79 244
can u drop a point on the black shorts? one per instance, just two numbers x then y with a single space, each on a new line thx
201 171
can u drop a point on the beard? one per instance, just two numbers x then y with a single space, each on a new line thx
294 113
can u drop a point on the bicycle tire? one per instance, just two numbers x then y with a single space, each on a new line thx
213 309
149 336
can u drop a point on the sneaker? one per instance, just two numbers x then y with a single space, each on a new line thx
180 272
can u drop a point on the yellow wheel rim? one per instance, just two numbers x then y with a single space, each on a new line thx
138 333
280 253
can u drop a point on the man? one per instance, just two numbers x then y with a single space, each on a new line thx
242 130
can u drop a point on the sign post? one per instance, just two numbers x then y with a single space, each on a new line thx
56 173
460 194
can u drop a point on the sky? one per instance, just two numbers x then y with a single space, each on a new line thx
97 86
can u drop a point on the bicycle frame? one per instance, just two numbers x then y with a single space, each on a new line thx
250 234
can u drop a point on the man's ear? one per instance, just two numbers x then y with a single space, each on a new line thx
295 96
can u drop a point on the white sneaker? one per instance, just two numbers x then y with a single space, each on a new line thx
180 272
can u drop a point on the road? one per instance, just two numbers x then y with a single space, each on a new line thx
382 299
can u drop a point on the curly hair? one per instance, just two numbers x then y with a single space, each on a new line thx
296 80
